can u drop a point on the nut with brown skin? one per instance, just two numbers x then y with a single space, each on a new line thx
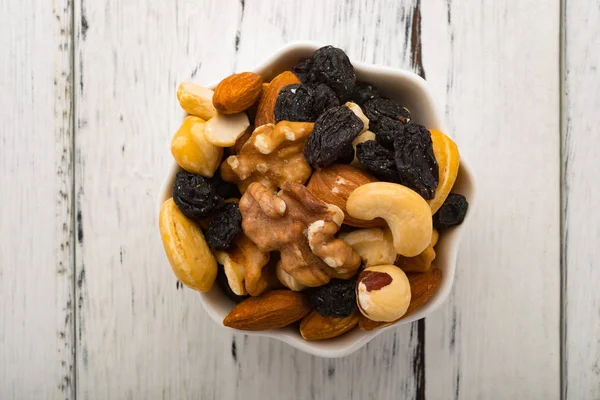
318 327
273 155
383 293
271 310
237 92
423 286
302 228
244 265
265 114
334 184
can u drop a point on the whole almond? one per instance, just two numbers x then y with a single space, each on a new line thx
237 92
423 286
266 108
318 327
334 184
271 310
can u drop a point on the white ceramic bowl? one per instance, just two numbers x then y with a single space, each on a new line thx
412 91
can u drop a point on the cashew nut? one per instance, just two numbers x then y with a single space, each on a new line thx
187 251
374 246
407 214
196 100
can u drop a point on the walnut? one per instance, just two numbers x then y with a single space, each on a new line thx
272 156
302 228
245 267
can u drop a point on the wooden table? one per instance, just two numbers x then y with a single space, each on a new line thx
89 308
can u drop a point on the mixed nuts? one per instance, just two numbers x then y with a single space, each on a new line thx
311 198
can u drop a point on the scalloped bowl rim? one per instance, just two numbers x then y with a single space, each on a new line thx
338 347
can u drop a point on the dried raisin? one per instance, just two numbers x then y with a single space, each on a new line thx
225 189
332 67
452 212
302 69
295 103
334 130
415 161
336 299
195 196
224 227
363 92
387 129
347 155
378 160
325 99
381 107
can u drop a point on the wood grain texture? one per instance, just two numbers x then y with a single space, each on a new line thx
138 336
36 246
581 217
495 67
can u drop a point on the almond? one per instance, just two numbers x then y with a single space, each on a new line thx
334 184
318 327
423 286
265 113
271 310
237 92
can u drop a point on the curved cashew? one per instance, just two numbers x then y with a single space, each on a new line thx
187 251
407 214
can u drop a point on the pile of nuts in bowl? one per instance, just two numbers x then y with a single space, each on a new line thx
311 198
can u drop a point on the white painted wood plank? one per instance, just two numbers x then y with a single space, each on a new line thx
495 66
36 247
581 196
139 337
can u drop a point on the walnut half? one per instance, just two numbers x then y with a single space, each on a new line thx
302 228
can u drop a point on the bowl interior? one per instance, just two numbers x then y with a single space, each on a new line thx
411 91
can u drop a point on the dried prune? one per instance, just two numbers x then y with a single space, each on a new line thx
295 103
336 299
224 227
452 212
415 161
334 130
376 108
224 285
363 92
387 129
325 98
225 189
332 67
378 160
347 156
302 69
195 196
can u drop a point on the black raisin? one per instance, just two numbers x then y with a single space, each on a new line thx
452 212
334 130
295 103
363 92
378 160
336 299
387 129
302 70
347 156
415 161
225 189
224 285
224 227
378 107
332 67
325 99
195 196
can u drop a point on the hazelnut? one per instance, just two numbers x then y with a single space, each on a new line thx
383 293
